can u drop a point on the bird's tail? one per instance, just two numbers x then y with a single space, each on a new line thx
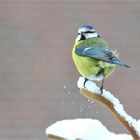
116 61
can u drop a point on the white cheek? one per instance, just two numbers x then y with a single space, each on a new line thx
91 35
78 38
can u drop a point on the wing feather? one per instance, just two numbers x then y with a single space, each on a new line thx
99 53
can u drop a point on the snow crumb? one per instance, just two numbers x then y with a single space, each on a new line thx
92 87
85 129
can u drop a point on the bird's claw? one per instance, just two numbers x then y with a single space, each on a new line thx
85 82
101 89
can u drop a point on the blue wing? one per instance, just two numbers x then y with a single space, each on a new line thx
99 53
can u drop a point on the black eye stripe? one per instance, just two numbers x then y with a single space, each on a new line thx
89 32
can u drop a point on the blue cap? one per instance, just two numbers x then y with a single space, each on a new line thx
86 27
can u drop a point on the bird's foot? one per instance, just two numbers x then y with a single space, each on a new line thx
101 89
102 86
85 82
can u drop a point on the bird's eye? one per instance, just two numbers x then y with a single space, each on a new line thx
78 33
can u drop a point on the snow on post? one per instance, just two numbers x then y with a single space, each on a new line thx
82 129
88 129
91 91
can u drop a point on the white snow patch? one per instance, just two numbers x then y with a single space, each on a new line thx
92 87
89 85
85 129
138 125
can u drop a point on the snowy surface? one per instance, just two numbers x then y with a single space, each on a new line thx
88 129
92 87
85 129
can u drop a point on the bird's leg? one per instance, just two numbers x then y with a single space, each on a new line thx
102 86
101 72
85 82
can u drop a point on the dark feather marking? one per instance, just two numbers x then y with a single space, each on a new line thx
99 53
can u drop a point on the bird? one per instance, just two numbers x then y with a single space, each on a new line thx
93 57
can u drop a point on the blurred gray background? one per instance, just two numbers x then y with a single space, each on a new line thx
38 80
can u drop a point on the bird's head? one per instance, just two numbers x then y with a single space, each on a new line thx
86 32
